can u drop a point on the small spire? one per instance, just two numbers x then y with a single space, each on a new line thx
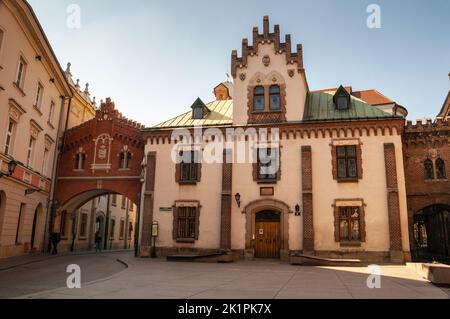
77 85
68 73
94 103
86 89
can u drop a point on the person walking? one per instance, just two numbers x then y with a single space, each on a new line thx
98 242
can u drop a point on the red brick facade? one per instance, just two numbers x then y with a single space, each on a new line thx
308 223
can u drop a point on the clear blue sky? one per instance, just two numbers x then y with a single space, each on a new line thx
154 58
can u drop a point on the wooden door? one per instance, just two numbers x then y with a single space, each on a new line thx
267 239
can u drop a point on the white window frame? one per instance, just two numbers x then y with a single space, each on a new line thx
39 95
21 80
30 151
12 137
45 159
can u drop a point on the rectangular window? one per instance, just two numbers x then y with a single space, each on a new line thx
45 162
187 222
83 224
130 230
51 113
123 202
267 163
30 153
122 229
20 79
349 224
20 222
38 97
346 162
10 134
131 205
189 167
114 200
113 229
63 224
2 33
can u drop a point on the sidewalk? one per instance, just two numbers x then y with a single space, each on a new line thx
12 262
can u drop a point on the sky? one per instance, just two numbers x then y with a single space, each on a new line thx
154 58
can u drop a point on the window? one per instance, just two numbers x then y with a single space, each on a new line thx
130 229
63 224
123 202
347 162
44 163
259 103
125 160
122 229
349 224
187 223
30 153
80 160
20 222
189 167
267 164
197 113
20 79
38 98
440 169
113 226
10 134
2 33
342 103
429 169
274 96
51 113
114 200
131 205
83 224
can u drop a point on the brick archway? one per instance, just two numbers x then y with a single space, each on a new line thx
101 156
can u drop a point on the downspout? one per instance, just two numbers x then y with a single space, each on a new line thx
49 217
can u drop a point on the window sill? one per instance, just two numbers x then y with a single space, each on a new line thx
266 181
188 182
350 244
186 240
124 169
19 89
347 180
440 180
78 170
264 111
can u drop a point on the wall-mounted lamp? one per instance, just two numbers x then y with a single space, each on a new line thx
30 191
297 210
237 197
38 57
11 168
52 80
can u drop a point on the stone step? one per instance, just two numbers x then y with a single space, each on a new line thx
310 260
211 258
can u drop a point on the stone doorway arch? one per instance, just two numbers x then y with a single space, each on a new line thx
250 212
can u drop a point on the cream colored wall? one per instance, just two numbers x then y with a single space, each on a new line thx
208 191
372 189
296 87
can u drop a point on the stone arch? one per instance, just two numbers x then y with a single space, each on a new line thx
250 211
37 228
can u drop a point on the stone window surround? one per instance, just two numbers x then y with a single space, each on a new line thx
352 202
186 203
346 142
435 179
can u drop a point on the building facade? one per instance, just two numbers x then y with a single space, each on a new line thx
338 188
33 94
427 154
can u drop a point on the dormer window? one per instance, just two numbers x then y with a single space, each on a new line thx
342 99
199 109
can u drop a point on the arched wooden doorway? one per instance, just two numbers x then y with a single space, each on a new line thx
431 231
268 234
35 230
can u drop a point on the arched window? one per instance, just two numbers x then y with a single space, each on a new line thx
259 103
125 160
274 96
440 169
80 159
429 170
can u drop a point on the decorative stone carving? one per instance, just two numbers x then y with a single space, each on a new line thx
35 129
242 76
266 60
48 142
15 110
102 155
291 72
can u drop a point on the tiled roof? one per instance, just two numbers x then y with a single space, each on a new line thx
220 114
320 107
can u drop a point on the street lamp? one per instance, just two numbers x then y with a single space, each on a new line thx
11 168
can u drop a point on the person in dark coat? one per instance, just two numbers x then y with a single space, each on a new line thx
55 239
98 242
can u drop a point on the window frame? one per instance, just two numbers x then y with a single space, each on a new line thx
20 81
10 137
30 151
80 161
259 95
122 229
349 204
188 173
277 94
51 113
349 221
440 169
428 164
266 177
38 97
347 158
83 225
192 221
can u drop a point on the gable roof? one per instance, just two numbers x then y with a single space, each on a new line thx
445 110
371 96
320 107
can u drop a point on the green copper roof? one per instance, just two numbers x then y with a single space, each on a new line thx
320 107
